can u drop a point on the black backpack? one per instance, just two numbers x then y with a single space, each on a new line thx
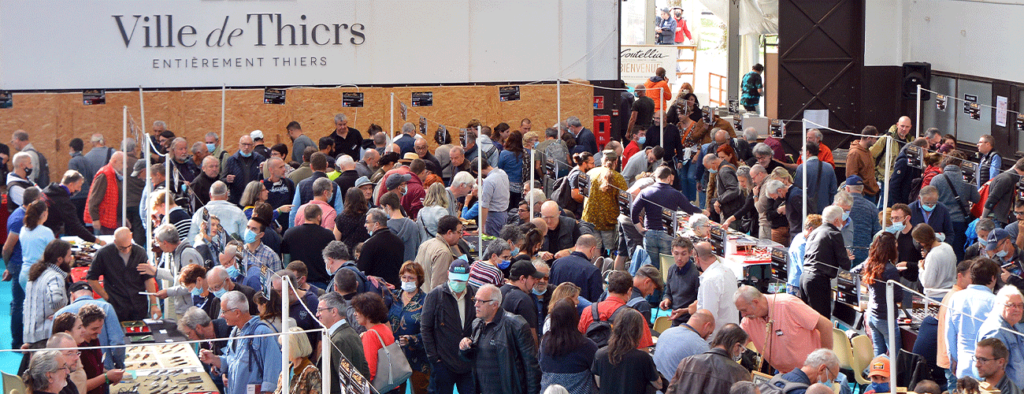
600 331
43 170
773 386
562 192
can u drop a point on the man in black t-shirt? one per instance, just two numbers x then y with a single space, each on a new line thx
641 112
347 140
517 294
306 243
908 253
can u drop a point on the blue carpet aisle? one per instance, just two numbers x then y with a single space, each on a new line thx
9 361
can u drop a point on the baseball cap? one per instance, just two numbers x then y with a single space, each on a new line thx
396 179
256 134
80 285
524 267
459 270
363 181
652 273
140 166
994 237
879 367
854 180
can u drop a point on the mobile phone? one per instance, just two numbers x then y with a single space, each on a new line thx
206 217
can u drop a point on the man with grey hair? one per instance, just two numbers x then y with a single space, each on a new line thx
821 365
983 228
40 169
789 343
793 204
407 139
196 325
231 217
187 170
584 137
1004 324
487 269
219 282
47 372
177 253
844 200
934 137
761 201
927 209
199 153
238 365
824 256
348 175
347 140
212 141
763 155
459 163
18 180
63 340
496 330
159 127
990 164
241 168
423 150
346 342
210 172
97 157
384 252
814 138
303 314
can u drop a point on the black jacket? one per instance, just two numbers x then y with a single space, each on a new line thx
382 255
63 218
902 176
441 328
565 235
245 170
516 353
826 252
1000 196
727 186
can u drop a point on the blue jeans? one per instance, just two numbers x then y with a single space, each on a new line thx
442 381
880 335
657 242
950 381
17 308
688 180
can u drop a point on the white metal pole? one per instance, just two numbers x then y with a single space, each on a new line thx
391 132
891 322
533 168
223 106
285 348
558 94
803 155
325 355
888 163
917 122
124 172
661 115
481 225
169 193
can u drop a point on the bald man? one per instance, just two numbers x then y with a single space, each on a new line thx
241 168
898 136
578 269
818 388
563 231
118 264
103 206
683 341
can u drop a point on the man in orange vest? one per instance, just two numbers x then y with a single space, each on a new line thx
104 201
655 84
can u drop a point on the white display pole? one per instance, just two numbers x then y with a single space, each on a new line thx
888 163
392 131
124 172
480 224
917 122
803 155
533 168
325 355
223 106
558 93
285 342
891 322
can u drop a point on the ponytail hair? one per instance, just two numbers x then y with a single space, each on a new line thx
34 214
581 157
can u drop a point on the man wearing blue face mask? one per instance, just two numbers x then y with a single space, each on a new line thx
241 168
218 281
447 318
928 210
256 256
1001 248
878 371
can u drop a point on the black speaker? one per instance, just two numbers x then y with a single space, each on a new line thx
914 74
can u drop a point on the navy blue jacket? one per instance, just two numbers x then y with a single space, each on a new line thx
576 268
940 220
587 140
234 165
653 198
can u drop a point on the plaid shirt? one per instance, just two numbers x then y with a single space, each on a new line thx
43 297
263 257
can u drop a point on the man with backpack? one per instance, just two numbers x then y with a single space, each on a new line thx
253 364
821 366
595 322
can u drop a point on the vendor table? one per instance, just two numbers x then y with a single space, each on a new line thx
157 363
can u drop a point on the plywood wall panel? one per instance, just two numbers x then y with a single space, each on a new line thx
53 119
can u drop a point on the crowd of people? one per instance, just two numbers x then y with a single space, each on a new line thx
377 240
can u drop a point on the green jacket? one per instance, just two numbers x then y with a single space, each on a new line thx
878 150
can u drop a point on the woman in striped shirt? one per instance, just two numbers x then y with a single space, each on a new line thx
488 271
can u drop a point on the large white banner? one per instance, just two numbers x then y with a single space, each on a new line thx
639 62
60 44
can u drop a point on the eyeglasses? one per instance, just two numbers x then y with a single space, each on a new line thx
479 301
983 359
1014 305
1018 213
318 309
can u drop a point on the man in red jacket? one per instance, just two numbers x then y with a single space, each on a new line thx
103 205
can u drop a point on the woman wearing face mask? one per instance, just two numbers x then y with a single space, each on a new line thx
875 271
938 269
579 181
192 291
405 321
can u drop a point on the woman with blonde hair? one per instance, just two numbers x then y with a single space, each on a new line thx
565 291
304 376
435 205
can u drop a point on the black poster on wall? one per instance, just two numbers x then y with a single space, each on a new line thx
508 93
94 97
273 96
6 99
422 99
352 100
968 99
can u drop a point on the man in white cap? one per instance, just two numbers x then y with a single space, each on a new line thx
261 148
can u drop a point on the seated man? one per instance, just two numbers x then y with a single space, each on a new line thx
683 341
878 372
